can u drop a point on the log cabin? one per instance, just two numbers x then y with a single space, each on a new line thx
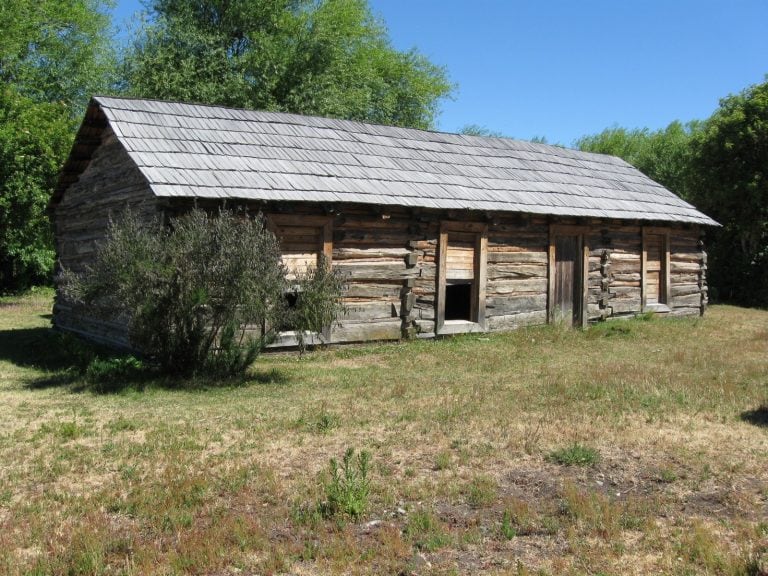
434 233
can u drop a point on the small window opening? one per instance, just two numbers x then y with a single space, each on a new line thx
458 301
291 299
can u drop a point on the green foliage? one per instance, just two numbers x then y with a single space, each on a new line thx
346 492
575 455
662 155
313 311
105 371
478 130
190 290
507 528
34 138
729 172
53 55
57 50
329 58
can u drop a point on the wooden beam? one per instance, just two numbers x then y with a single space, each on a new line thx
481 264
442 253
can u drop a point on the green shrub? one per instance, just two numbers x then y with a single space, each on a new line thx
109 370
575 455
204 294
346 491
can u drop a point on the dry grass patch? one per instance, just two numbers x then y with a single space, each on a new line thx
151 479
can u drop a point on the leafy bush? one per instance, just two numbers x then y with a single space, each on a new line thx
202 295
346 491
112 370
313 309
575 455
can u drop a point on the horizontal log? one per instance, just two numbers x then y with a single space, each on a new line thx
686 300
686 256
513 321
624 291
618 269
676 266
498 306
685 289
365 331
513 271
538 285
625 305
625 276
395 270
618 256
373 290
359 311
522 257
686 278
352 223
370 239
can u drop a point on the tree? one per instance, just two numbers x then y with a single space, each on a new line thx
56 50
34 139
328 57
729 181
478 130
662 155
192 290
53 55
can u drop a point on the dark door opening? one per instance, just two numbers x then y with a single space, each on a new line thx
290 299
458 301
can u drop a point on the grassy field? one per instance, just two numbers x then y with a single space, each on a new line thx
630 448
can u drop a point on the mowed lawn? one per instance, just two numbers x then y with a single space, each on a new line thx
632 447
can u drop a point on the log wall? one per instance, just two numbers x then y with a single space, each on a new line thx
109 183
389 256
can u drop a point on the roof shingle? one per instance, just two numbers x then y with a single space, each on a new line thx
210 151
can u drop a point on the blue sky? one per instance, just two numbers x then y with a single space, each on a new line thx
562 69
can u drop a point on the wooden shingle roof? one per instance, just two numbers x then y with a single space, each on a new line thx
190 150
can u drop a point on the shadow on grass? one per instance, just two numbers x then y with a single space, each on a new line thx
756 417
79 366
40 348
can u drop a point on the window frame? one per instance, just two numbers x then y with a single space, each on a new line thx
477 322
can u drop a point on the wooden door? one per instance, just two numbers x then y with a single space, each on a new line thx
568 280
